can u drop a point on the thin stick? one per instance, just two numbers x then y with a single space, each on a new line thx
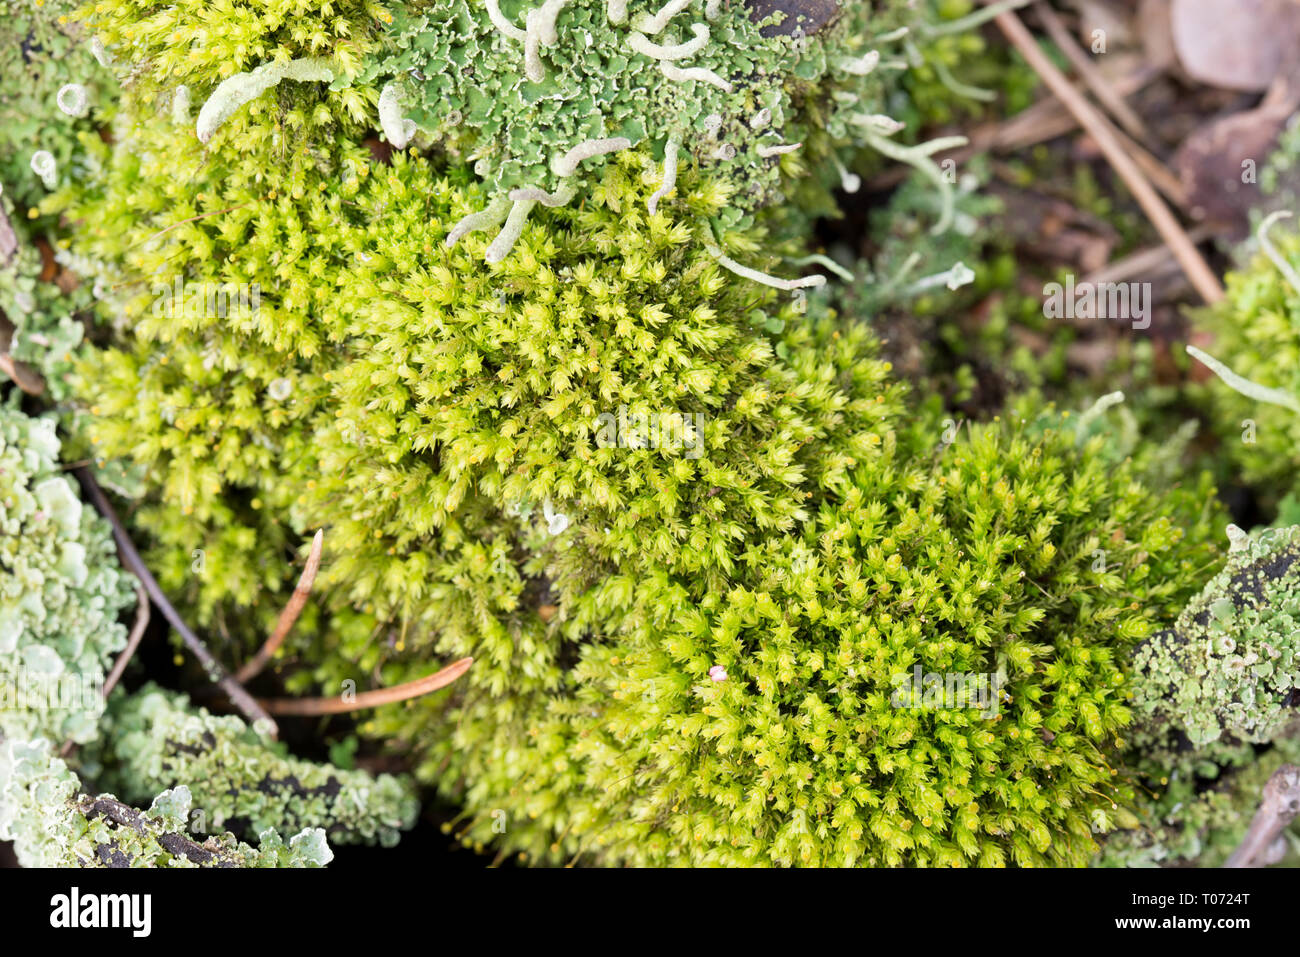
369 699
132 642
1277 809
1160 175
215 212
1145 262
1089 73
288 617
135 564
1099 127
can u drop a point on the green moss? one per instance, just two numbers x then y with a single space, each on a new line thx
685 649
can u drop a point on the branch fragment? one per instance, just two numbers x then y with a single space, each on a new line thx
288 617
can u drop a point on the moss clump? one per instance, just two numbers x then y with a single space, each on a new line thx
445 420
752 722
686 641
238 778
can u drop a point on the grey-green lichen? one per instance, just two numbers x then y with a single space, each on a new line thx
539 96
39 320
239 778
61 591
61 596
1231 663
53 824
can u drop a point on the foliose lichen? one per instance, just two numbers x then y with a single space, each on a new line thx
53 824
61 591
239 778
1230 665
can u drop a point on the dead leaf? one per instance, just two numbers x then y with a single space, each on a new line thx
1234 44
1214 162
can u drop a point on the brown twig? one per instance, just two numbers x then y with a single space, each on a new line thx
133 641
215 212
292 609
1160 175
135 564
1143 262
1045 120
1099 127
1277 809
1089 73
369 699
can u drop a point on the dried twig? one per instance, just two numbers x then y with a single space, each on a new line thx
215 212
135 564
133 641
1089 73
1160 175
1277 809
1099 127
1144 262
292 609
369 699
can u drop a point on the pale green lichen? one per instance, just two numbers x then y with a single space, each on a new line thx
582 80
60 590
42 54
52 824
239 778
1201 805
1231 662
